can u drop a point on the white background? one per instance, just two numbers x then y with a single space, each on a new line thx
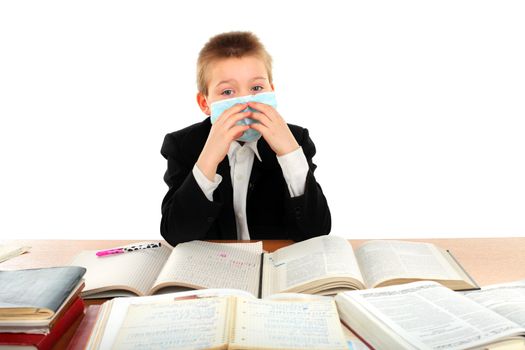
416 108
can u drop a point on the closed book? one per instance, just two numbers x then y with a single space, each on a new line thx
41 326
36 294
44 341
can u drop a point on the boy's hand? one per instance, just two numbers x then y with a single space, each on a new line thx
273 128
221 135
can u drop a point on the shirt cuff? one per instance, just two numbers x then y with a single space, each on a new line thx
207 186
295 168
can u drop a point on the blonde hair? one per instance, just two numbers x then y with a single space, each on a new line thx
226 45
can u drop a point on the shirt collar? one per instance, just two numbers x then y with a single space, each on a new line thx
236 146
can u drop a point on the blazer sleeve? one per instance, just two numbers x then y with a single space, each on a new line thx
186 212
308 215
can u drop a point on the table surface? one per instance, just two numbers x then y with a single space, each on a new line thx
487 260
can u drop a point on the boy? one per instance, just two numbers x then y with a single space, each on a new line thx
225 182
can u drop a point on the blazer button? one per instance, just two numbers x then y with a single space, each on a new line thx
211 219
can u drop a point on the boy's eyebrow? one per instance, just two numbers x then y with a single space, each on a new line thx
225 81
233 80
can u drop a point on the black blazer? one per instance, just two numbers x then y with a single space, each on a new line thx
271 213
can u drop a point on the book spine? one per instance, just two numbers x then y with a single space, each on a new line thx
74 312
477 287
81 337
261 271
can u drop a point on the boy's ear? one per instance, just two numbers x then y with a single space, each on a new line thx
273 88
203 104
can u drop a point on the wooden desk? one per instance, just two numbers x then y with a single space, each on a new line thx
487 260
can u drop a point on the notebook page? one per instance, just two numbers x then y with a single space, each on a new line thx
137 269
288 325
215 265
188 324
120 307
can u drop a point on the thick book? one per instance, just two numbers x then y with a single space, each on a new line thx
36 294
44 341
427 315
322 265
327 265
218 319
41 326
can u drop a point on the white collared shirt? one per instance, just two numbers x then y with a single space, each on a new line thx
294 166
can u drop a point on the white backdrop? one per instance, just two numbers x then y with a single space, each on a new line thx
417 110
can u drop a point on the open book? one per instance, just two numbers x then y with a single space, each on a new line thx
327 265
10 251
218 319
322 265
426 315
191 265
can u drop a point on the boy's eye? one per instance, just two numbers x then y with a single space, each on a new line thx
227 92
257 88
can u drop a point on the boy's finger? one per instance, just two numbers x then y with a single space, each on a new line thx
233 119
232 110
237 131
261 118
269 111
259 127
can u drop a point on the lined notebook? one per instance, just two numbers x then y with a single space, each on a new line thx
191 265
231 323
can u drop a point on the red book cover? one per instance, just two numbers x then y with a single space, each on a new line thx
46 341
84 330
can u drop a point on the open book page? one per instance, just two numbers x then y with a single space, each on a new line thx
187 324
507 299
114 311
134 271
10 251
297 297
199 264
307 261
381 261
263 324
430 316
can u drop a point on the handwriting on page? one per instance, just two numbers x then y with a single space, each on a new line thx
212 265
181 325
308 325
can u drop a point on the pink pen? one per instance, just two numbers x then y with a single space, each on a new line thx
127 249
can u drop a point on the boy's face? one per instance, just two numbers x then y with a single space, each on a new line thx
234 77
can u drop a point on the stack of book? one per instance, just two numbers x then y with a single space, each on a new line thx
37 306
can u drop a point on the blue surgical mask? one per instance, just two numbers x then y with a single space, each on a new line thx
217 108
